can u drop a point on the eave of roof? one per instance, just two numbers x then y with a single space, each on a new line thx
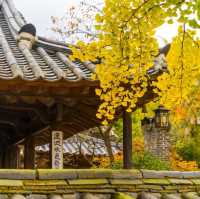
48 61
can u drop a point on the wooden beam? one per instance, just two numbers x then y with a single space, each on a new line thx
29 153
127 140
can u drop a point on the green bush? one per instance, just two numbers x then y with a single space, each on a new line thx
148 161
190 150
117 165
144 161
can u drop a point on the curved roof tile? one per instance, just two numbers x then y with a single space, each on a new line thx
47 60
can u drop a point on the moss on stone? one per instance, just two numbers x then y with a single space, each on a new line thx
45 182
180 181
126 174
125 182
11 183
156 181
57 174
94 173
122 196
87 181
196 181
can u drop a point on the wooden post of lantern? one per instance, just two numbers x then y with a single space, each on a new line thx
57 150
127 140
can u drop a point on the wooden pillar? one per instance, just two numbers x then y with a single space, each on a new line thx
29 153
56 150
15 156
127 140
2 156
7 158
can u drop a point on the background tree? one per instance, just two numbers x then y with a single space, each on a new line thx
121 40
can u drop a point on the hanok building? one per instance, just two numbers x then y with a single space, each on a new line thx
42 91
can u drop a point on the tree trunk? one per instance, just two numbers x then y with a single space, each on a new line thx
106 136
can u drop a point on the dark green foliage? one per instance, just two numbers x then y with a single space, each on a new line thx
148 161
189 149
144 161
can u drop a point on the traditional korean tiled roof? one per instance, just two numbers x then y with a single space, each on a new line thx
26 57
46 60
84 144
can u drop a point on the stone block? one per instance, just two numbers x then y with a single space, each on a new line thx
45 183
156 181
122 196
55 196
191 174
96 196
195 181
96 190
88 182
17 196
11 183
161 174
94 173
126 174
180 181
191 195
133 195
172 196
171 187
53 174
71 196
3 196
36 196
150 187
16 174
125 182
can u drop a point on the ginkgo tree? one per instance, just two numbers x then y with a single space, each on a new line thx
125 48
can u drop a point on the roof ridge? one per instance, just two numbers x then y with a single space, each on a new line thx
16 21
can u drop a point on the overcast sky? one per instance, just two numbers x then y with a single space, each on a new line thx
39 12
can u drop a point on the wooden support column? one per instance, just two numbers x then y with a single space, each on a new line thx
7 158
127 140
15 156
29 153
2 156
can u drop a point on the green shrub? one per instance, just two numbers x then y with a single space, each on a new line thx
190 150
144 161
148 161
117 164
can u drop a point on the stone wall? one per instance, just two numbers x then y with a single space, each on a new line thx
97 184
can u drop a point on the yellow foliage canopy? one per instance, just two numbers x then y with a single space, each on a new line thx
126 48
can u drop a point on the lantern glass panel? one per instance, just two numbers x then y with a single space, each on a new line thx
162 118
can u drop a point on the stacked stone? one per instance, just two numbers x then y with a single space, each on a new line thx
98 184
157 141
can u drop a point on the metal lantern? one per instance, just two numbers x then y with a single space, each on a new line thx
162 117
148 123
